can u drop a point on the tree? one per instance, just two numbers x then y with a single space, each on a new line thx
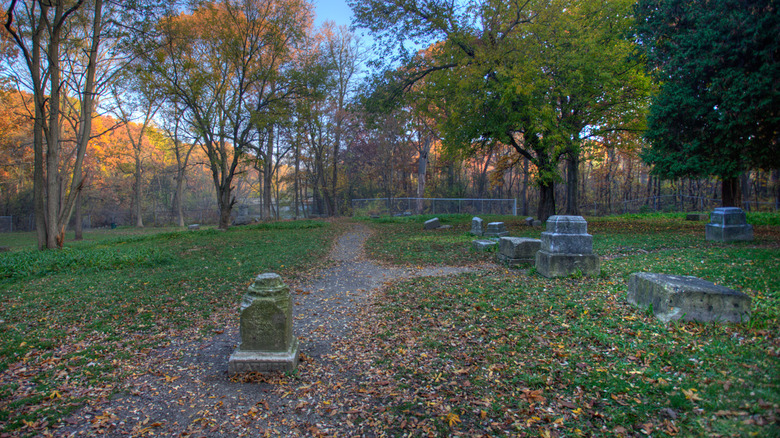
718 108
62 47
223 64
134 99
538 76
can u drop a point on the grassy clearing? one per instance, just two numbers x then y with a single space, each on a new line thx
74 322
506 353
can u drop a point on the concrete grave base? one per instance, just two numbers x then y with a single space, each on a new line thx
728 233
563 265
483 245
517 250
681 297
263 361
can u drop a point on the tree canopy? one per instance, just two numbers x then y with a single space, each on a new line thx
718 108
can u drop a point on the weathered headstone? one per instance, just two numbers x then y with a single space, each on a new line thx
697 217
432 224
483 245
516 250
496 229
537 223
675 297
567 248
193 227
477 226
728 224
267 341
529 221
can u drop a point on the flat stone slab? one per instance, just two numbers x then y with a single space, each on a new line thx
682 297
193 227
496 229
516 250
483 245
697 217
432 224
553 265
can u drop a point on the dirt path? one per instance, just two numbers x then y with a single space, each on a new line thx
186 390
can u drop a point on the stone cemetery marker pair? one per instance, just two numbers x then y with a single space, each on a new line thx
267 341
567 248
494 229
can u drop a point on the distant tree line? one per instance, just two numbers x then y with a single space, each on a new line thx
570 106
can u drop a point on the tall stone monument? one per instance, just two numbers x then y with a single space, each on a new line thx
567 248
267 341
728 224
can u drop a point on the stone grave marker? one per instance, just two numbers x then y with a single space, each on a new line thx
675 297
483 245
496 229
567 248
529 221
193 227
477 226
728 224
516 250
267 341
432 224
697 217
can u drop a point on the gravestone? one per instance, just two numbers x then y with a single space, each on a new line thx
537 223
267 341
193 227
728 224
529 221
432 224
477 226
697 217
496 229
516 250
567 248
675 297
483 245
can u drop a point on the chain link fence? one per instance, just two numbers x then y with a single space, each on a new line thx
401 206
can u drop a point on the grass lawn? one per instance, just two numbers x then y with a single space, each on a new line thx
513 353
74 322
502 352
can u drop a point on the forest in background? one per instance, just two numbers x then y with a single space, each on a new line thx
201 109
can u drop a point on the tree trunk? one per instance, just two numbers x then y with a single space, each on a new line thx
79 225
226 202
546 200
138 211
268 175
731 193
524 191
422 168
572 183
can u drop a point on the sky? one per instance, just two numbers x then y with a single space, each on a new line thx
333 10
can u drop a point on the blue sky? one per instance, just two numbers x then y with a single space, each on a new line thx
333 10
